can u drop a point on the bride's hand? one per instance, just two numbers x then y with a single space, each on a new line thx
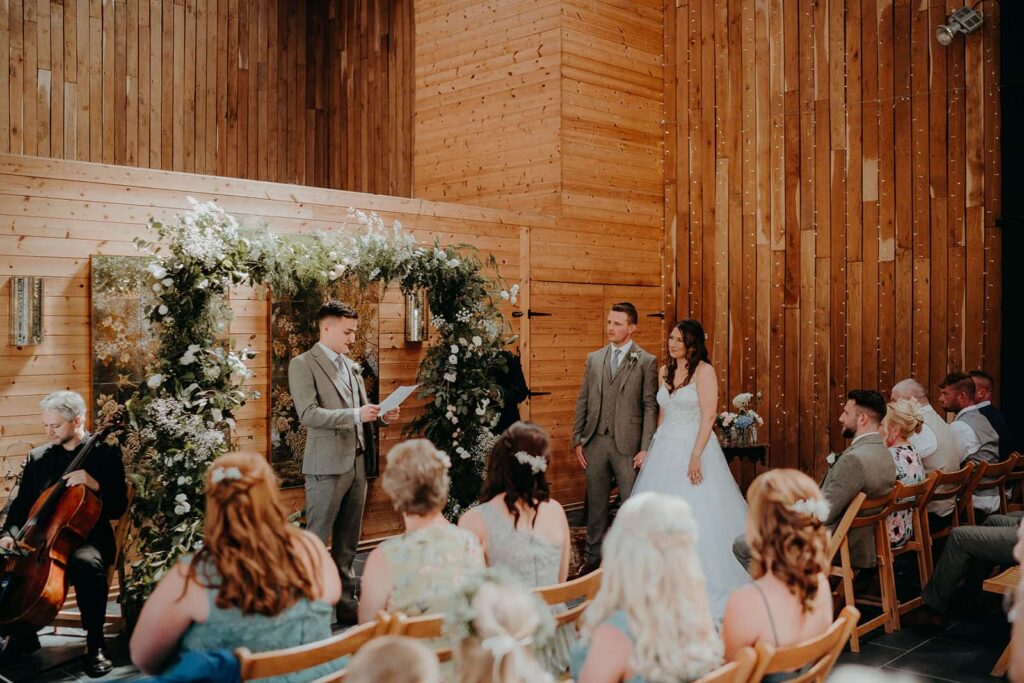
638 459
695 473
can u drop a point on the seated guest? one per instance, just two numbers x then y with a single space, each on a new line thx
866 465
258 582
102 472
983 386
507 623
902 420
519 526
415 573
789 600
394 659
969 550
934 443
975 437
650 620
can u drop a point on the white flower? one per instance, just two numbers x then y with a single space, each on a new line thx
189 356
514 294
211 372
182 504
814 508
477 341
463 342
333 275
167 282
203 284
454 420
158 271
222 473
332 255
450 376
481 411
154 381
162 310
504 295
453 359
537 463
741 401
455 348
157 287
831 459
453 263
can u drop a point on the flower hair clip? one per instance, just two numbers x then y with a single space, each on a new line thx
222 473
537 463
501 647
445 460
815 508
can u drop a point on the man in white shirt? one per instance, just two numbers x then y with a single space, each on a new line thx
976 439
984 385
935 442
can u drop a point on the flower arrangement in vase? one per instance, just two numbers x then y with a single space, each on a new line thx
739 428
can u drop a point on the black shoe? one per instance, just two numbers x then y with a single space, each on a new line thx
346 616
97 664
587 568
924 618
18 645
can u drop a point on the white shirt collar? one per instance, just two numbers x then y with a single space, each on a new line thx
329 352
861 436
982 404
967 410
623 348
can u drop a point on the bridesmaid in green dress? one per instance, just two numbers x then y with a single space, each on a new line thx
416 573
258 582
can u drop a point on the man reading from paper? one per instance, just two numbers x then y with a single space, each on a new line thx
330 400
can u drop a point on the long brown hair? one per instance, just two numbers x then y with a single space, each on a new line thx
692 333
789 543
513 480
250 543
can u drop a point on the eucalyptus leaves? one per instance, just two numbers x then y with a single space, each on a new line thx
181 418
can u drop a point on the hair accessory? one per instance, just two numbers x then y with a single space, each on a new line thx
222 473
813 507
537 463
443 457
502 646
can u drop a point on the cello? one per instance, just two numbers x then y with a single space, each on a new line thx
33 577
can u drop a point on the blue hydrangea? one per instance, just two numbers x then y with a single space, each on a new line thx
743 421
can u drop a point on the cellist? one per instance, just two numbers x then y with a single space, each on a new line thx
63 417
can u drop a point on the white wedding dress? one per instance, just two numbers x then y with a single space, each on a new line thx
716 503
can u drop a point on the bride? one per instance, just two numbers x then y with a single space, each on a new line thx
686 460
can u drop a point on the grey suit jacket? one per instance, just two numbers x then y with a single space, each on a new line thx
867 466
637 416
324 405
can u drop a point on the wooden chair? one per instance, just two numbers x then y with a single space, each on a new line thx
1015 485
583 589
838 535
915 499
426 626
949 486
736 671
987 476
813 659
873 513
301 657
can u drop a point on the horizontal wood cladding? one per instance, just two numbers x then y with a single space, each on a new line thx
55 214
832 188
313 93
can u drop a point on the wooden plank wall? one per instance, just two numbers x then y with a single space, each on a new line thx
54 214
833 180
312 93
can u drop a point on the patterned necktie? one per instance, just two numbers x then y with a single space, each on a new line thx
347 376
616 359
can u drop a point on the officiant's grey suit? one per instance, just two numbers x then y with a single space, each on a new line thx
616 416
327 397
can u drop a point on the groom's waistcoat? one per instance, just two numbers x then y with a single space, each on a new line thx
610 396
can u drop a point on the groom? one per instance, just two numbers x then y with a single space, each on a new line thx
616 415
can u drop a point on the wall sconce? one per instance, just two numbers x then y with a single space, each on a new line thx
964 20
26 310
417 316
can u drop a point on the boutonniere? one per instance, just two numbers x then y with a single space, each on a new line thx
832 458
357 369
634 357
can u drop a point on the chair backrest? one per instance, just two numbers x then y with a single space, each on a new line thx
835 541
583 589
949 485
300 657
915 495
874 510
426 626
987 476
736 671
813 659
1015 497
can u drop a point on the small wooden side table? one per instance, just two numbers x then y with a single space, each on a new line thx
1003 583
749 456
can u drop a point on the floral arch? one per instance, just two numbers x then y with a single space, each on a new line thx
179 421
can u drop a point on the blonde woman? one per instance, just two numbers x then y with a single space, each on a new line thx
258 581
650 621
394 659
902 420
508 623
789 600
416 572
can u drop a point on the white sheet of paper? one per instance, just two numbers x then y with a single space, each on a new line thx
396 398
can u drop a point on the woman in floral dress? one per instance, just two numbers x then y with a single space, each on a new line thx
902 419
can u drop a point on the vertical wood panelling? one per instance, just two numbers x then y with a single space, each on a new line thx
845 185
215 86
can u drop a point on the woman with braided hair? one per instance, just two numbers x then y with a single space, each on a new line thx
258 581
789 600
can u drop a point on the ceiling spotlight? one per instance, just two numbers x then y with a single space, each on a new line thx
964 20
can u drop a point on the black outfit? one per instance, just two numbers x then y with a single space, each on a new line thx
87 569
513 389
998 422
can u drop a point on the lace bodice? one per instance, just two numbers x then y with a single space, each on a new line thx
681 406
533 559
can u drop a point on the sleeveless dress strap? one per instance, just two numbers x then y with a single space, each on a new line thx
768 610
